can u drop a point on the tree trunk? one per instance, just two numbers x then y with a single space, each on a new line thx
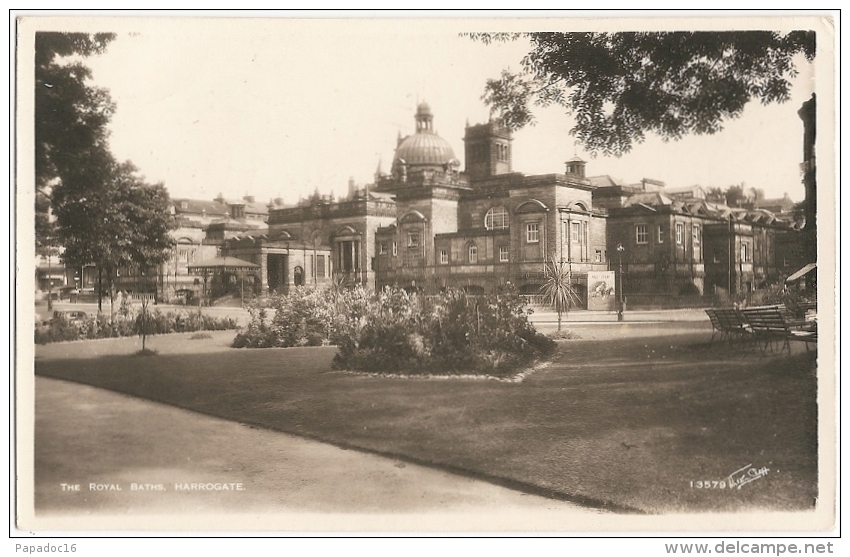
99 289
49 282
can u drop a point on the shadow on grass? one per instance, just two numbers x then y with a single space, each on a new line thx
626 425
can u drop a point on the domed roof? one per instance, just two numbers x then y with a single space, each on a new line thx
424 148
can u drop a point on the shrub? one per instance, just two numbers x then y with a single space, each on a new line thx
124 324
395 331
301 318
450 333
689 289
57 330
383 333
256 334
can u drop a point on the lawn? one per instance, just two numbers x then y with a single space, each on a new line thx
624 421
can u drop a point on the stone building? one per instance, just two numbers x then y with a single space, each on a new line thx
688 246
202 228
486 226
427 225
317 242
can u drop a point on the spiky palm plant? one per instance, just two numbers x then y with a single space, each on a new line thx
558 290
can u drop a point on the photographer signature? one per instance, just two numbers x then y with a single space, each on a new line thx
746 475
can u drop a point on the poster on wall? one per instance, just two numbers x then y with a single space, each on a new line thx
601 291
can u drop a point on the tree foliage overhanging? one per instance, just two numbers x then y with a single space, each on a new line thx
619 86
70 115
106 214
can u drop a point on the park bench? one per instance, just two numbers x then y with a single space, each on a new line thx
769 326
728 323
806 306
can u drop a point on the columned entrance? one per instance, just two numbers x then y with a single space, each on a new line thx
348 254
347 259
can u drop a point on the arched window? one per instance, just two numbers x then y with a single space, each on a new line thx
473 253
496 219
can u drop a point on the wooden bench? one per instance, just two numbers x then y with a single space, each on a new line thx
729 323
791 318
769 326
806 306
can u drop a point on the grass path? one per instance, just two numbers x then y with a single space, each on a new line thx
623 423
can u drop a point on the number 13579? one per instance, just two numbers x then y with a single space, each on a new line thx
707 484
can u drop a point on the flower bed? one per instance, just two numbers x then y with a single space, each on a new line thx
397 332
123 324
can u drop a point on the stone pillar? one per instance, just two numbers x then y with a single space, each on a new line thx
264 272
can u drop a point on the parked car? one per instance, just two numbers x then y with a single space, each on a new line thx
70 317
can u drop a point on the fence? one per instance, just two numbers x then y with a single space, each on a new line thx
141 296
639 301
534 299
666 301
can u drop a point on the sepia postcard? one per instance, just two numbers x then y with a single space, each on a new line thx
424 273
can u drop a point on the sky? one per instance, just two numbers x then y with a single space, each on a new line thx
276 108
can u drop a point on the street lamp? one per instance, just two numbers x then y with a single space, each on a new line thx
620 309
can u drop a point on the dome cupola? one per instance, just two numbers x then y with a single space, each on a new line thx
424 119
425 147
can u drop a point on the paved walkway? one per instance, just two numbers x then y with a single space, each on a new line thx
540 315
86 436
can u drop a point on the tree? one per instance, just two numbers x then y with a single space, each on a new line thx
70 115
558 290
45 238
736 197
106 214
120 221
619 86
145 325
70 124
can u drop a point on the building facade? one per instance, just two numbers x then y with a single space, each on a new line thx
687 246
427 226
202 229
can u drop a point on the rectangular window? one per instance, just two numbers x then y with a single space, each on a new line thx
597 257
473 254
444 257
745 253
382 250
320 266
395 249
641 234
413 239
503 254
680 233
696 234
576 233
660 234
532 233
